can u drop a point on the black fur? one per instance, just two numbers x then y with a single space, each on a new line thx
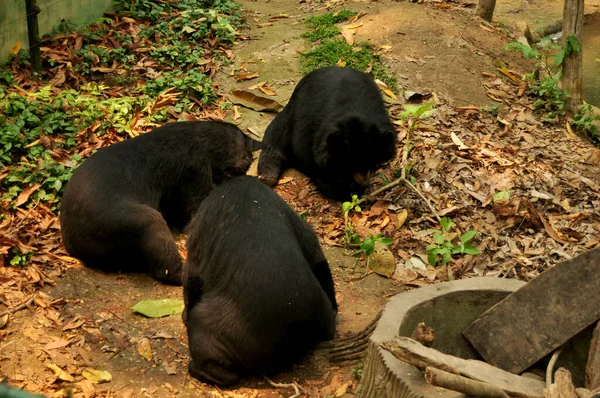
120 203
335 129
258 290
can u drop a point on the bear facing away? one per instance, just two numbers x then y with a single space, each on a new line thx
258 290
119 206
335 129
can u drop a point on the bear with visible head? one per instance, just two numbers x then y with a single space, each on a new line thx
335 129
118 208
257 288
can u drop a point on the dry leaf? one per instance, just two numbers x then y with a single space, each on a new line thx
342 390
3 320
383 87
144 349
236 112
87 388
404 275
57 343
348 35
253 101
97 376
74 324
26 193
16 48
59 373
284 180
243 77
458 142
382 261
401 218
355 26
267 90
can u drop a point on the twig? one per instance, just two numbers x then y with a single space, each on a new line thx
425 199
22 220
18 307
403 179
411 186
285 385
550 368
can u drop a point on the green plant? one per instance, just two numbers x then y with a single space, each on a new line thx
502 195
323 26
192 83
368 245
350 236
360 57
444 248
586 121
18 258
415 113
545 82
357 373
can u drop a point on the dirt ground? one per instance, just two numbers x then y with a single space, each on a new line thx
84 318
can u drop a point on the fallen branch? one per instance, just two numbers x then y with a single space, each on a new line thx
403 179
470 387
18 307
285 385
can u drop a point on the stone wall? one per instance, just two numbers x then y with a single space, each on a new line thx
13 18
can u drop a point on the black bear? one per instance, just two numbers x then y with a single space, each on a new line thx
257 288
335 129
118 208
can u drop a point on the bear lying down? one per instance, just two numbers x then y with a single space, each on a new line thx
119 206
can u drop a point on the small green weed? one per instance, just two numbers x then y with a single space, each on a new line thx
357 373
586 121
350 236
368 245
415 113
549 59
18 258
444 248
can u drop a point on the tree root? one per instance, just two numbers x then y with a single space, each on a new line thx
294 385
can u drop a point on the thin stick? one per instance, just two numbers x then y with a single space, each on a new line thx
411 186
405 151
284 385
22 220
18 307
550 368
424 198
